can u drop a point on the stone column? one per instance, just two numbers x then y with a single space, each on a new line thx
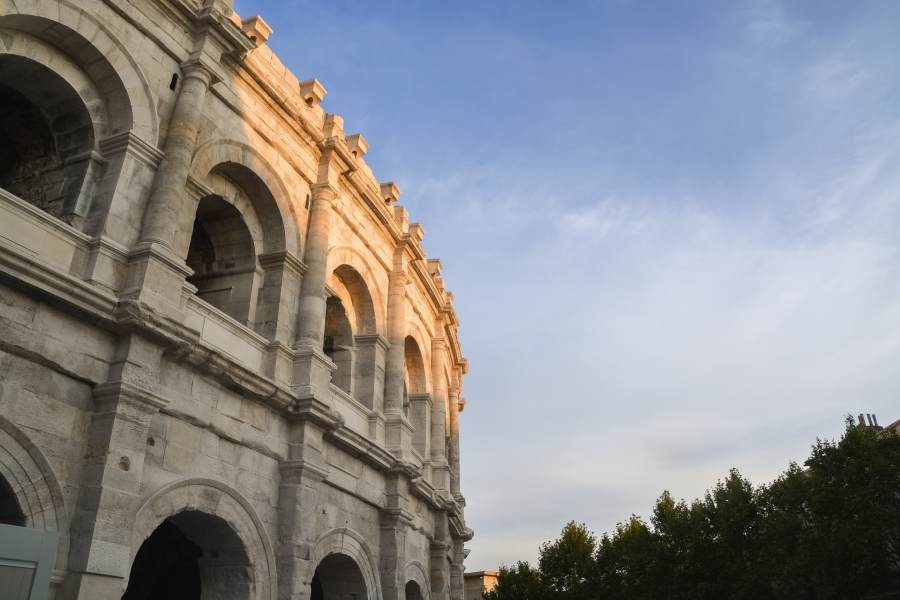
100 554
439 467
398 430
311 325
453 454
157 269
161 220
312 368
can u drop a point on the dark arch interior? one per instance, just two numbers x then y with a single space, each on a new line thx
338 343
338 578
46 136
413 591
264 204
223 258
10 511
190 556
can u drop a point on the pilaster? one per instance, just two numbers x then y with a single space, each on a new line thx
420 409
395 525
302 474
278 297
113 472
440 558
457 570
371 354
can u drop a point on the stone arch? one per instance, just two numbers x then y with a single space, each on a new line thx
346 542
218 500
338 343
223 255
48 156
35 487
356 296
417 367
27 46
276 211
415 572
340 256
91 45
417 402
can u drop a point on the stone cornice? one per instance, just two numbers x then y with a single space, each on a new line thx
121 391
161 253
134 146
211 18
97 303
277 259
374 338
295 470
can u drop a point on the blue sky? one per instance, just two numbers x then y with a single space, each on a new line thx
672 230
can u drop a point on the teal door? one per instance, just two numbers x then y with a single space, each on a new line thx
26 561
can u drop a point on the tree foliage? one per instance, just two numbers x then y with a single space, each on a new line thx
829 530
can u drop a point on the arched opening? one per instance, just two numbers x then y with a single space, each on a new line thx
414 375
352 308
350 285
10 510
191 556
413 591
338 344
338 577
416 401
46 140
223 256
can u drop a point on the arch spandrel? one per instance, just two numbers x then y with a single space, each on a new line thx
105 59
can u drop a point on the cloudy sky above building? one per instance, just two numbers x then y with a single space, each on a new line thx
672 230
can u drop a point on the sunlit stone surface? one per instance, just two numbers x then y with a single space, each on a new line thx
227 369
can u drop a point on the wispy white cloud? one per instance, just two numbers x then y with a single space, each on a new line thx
672 233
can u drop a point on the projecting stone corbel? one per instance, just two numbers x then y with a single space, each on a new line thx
416 232
390 193
358 145
313 92
257 30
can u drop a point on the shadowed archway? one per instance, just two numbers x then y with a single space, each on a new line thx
191 556
338 577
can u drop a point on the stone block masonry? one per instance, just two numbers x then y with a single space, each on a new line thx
227 368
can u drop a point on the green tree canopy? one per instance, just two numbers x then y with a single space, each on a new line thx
827 530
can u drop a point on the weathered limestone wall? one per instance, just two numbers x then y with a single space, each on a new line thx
227 333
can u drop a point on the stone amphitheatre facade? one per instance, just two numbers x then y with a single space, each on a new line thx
227 369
